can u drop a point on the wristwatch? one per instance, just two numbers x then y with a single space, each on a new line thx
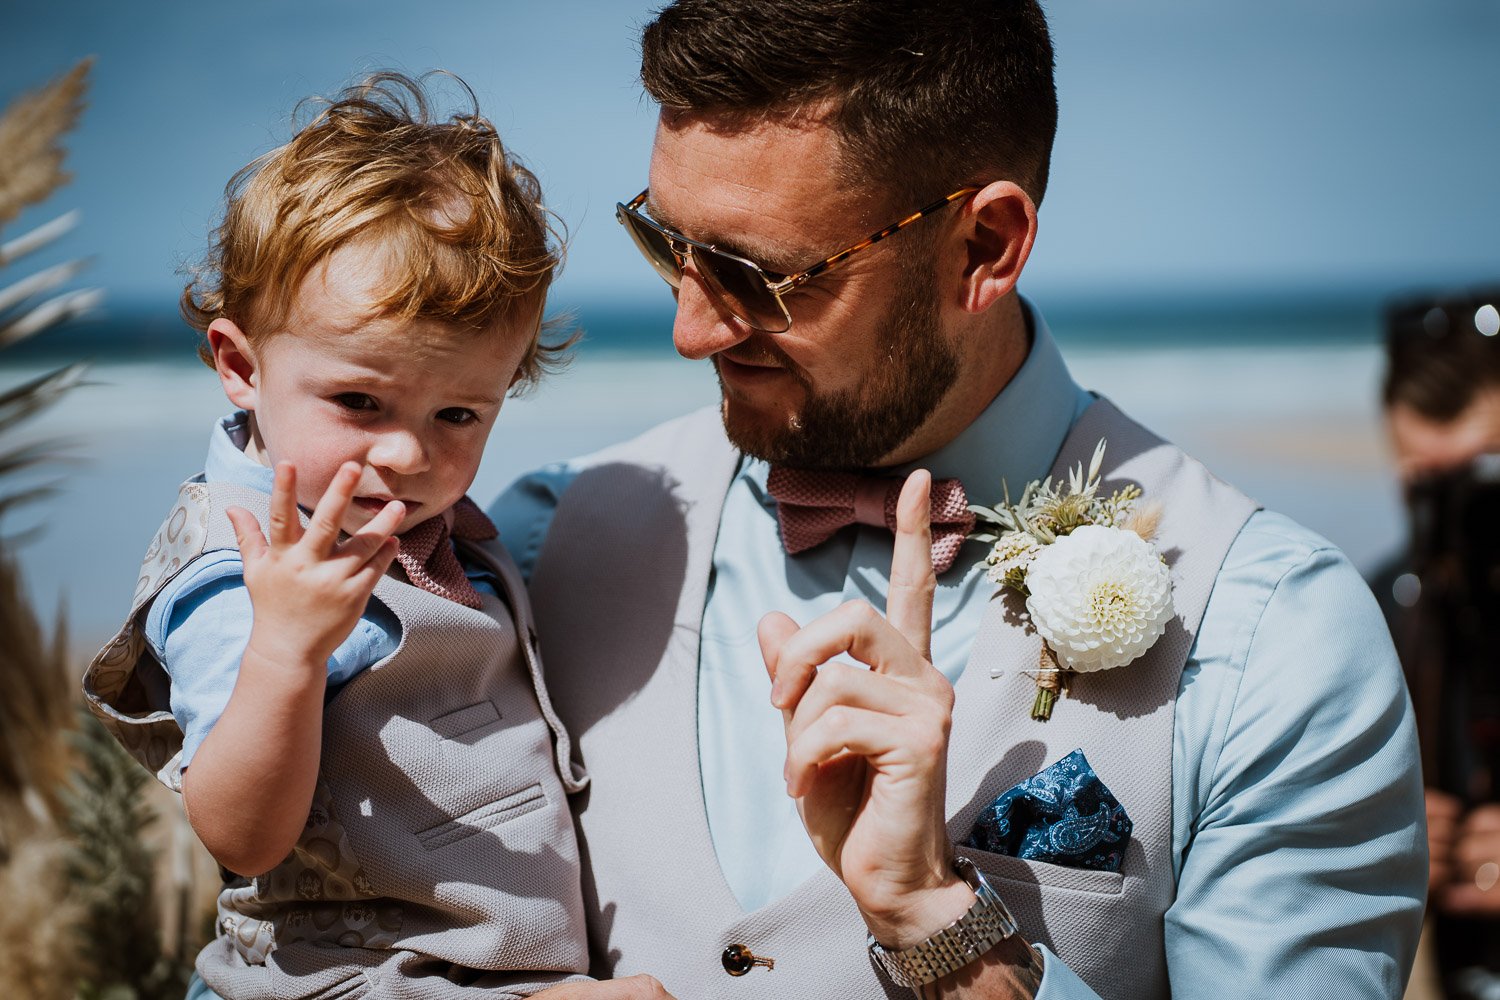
971 936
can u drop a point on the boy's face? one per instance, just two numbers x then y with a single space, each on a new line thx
412 401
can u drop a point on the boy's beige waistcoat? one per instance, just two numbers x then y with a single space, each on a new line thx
619 591
438 860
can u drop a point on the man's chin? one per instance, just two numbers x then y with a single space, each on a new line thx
756 420
754 431
782 439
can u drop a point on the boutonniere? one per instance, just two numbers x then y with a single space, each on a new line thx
1095 588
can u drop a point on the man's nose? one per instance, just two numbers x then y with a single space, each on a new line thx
401 451
702 327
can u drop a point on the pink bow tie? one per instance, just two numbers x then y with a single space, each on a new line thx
429 560
812 505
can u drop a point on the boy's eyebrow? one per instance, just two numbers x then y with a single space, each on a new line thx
477 399
482 400
774 260
386 383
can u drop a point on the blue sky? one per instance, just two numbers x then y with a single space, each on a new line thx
1239 146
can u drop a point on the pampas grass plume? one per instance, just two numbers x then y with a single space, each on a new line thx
31 130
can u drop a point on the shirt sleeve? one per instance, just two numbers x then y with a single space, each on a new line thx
1060 982
199 626
523 512
1307 859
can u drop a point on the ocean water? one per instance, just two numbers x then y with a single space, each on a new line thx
1280 401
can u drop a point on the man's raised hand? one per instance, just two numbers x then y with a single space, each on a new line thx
867 749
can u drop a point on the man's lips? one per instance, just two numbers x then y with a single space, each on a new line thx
747 372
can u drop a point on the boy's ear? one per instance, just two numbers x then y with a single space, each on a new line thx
235 361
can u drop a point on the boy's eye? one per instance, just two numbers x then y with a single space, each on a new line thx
355 401
457 415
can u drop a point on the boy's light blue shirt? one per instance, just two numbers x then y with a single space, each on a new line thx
1297 835
199 625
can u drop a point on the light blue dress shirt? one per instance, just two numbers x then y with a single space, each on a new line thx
199 625
1297 836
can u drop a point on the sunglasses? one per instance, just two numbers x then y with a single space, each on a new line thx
750 293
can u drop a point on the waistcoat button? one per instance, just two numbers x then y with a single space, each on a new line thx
739 960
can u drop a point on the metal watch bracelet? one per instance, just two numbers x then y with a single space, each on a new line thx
967 939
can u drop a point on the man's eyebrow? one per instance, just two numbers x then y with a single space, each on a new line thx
775 260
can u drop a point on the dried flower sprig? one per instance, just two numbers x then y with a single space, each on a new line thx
1045 512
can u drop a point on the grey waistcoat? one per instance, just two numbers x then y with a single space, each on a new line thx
619 591
438 859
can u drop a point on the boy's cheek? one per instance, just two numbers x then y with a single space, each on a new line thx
309 493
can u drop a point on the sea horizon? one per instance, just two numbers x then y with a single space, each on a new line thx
1203 317
1278 396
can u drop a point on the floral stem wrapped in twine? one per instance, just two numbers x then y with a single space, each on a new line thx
1052 682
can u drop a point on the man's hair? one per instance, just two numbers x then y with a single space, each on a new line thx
1441 351
926 96
459 219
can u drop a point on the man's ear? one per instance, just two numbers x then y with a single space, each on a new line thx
999 227
235 361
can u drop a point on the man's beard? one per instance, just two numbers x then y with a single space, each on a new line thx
854 428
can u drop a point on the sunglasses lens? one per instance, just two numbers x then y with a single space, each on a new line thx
739 285
742 289
653 245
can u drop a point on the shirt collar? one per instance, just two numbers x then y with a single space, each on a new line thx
1014 440
227 462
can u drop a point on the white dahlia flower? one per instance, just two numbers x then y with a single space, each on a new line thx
1099 596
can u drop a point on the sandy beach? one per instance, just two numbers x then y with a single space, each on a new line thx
1295 427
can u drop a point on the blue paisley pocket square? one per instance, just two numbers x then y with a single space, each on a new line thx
1064 816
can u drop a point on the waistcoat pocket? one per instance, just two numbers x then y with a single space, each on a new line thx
1001 868
486 817
469 722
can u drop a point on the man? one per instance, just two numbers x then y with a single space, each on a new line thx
1441 397
1263 748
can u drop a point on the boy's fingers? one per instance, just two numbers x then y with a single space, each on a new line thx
247 534
368 575
365 542
286 526
908 603
327 517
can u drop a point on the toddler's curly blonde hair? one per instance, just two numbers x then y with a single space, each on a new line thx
459 220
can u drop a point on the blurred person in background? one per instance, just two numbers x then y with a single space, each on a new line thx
1441 596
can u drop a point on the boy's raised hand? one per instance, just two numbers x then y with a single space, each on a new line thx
307 588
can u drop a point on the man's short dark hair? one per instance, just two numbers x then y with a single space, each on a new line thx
926 95
1441 351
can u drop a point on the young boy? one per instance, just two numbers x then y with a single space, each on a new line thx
350 703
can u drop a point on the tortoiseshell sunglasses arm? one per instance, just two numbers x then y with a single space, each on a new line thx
792 281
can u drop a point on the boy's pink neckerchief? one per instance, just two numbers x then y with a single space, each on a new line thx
430 562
